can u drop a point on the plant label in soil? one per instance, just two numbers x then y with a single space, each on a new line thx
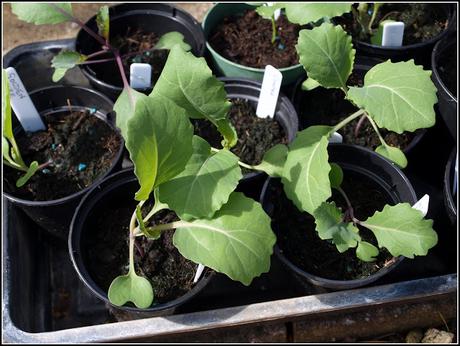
336 138
198 273
22 104
140 76
422 204
269 92
392 35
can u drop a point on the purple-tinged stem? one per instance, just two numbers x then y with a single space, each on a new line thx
100 52
359 124
96 61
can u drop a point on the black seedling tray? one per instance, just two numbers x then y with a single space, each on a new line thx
44 301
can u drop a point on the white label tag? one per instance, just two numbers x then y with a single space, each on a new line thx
336 138
422 204
393 34
198 273
269 92
22 104
140 76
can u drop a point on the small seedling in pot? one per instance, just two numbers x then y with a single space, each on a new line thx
55 13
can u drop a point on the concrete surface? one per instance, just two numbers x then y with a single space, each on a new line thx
17 32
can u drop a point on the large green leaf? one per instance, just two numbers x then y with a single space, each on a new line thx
304 13
306 171
205 184
188 81
65 60
327 55
398 96
402 230
273 161
103 22
42 13
237 241
124 108
170 39
330 225
131 288
159 141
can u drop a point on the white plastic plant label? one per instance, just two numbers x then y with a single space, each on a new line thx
140 76
22 104
336 138
268 98
422 204
198 273
393 33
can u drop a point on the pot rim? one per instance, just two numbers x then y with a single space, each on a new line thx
79 193
438 49
112 182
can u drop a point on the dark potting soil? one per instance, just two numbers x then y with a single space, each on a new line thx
323 106
447 68
246 40
81 148
422 21
255 135
300 243
107 254
135 45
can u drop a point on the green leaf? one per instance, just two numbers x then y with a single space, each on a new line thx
268 12
330 225
65 60
310 84
131 288
205 184
398 96
402 230
6 151
188 81
170 39
42 13
103 22
327 54
237 241
392 153
124 108
366 252
159 141
306 171
304 13
226 129
273 161
335 175
6 107
30 172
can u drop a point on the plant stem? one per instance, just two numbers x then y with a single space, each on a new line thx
44 165
375 9
15 165
347 120
172 225
100 52
359 124
242 164
350 210
376 129
89 62
273 29
132 227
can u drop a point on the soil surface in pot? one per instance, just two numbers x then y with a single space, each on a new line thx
107 250
247 40
447 68
323 106
134 47
300 243
81 148
255 135
422 21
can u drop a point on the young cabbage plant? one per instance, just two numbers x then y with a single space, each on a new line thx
218 227
10 150
302 13
55 13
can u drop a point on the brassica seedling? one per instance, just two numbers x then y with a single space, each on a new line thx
10 150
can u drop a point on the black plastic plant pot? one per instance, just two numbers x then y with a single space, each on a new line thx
448 188
447 96
55 215
421 51
309 108
148 17
285 114
117 189
364 165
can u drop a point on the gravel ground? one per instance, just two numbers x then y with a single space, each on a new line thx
16 32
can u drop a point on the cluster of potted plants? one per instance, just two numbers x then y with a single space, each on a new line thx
149 238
